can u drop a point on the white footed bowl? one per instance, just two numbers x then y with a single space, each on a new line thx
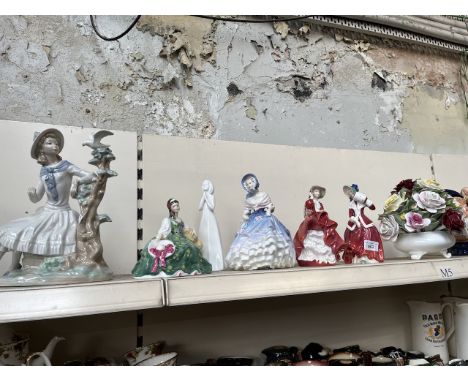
420 243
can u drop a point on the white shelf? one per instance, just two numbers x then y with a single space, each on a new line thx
227 286
124 293
120 294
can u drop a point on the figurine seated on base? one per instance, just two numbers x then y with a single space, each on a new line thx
55 245
174 251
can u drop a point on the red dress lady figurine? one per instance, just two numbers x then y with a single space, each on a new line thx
363 242
316 242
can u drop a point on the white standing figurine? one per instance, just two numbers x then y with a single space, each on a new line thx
51 230
208 231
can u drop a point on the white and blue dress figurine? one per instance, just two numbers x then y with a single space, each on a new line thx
51 230
262 242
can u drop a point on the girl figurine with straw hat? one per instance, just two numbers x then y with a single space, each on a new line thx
363 242
316 241
51 230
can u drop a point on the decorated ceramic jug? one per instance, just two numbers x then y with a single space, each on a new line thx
428 328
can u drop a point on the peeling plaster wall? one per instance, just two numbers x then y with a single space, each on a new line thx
279 83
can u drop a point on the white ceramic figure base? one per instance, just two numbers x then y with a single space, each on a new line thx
422 243
364 260
178 273
53 270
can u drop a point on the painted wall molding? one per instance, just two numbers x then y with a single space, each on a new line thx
446 33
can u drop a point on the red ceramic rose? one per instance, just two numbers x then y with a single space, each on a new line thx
452 220
405 183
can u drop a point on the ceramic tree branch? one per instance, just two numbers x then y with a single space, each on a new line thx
89 250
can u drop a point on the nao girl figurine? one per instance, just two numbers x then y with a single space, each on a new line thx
262 241
51 230
316 242
363 242
174 251
208 231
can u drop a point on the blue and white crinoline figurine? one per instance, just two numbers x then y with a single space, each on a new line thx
262 242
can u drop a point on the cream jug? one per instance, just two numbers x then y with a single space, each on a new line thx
449 322
428 329
458 323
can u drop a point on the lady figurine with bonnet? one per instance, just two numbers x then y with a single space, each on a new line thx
363 241
262 242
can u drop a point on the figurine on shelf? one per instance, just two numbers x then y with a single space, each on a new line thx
208 231
174 251
51 230
316 242
262 242
363 242
56 244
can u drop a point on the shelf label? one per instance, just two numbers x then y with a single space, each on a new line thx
447 273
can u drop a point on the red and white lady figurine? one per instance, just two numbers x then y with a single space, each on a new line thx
363 242
316 241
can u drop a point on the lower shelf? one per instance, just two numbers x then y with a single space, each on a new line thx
226 286
120 294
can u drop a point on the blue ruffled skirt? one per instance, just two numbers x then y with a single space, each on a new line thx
262 242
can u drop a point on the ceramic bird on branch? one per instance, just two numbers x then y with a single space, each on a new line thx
88 244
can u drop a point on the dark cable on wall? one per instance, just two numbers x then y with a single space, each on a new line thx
292 18
238 20
115 38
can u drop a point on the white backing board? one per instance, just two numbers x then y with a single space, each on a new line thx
176 167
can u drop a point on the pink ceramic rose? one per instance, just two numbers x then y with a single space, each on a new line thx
429 201
415 222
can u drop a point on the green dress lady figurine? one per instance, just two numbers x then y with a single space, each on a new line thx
174 251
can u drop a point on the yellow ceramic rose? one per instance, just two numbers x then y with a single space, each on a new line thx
429 183
393 203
